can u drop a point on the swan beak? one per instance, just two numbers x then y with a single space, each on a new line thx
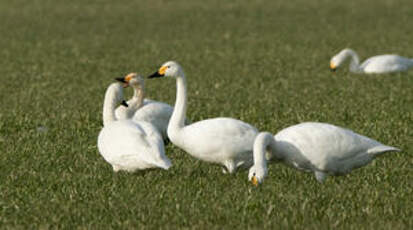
121 79
124 103
159 73
155 75
254 181
333 67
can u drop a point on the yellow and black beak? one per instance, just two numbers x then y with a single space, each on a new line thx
125 80
159 73
254 181
333 67
121 79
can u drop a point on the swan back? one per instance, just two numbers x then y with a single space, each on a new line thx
156 113
326 147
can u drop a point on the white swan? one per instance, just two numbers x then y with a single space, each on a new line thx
128 145
155 112
316 147
224 141
387 63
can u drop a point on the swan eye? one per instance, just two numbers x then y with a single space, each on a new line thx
253 174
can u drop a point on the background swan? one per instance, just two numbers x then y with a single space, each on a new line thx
387 63
315 147
128 145
224 141
141 109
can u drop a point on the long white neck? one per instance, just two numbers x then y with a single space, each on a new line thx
137 99
110 102
177 121
354 62
262 142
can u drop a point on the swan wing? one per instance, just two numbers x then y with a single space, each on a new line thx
324 145
156 113
218 138
386 63
130 145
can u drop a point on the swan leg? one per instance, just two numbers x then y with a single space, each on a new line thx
230 165
320 176
166 141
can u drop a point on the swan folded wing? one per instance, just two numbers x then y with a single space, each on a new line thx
219 135
323 144
145 145
386 63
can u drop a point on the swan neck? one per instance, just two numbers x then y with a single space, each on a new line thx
262 142
354 62
178 116
109 106
138 96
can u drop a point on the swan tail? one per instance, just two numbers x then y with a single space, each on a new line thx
165 163
378 150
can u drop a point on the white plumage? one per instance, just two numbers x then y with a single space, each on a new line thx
128 145
224 141
140 109
388 63
320 148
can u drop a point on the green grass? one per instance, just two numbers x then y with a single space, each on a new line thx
265 62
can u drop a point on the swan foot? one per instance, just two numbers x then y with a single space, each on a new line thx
320 176
116 168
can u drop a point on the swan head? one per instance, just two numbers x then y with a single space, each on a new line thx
256 174
168 69
132 79
116 89
339 59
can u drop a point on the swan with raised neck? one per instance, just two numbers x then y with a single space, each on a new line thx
224 141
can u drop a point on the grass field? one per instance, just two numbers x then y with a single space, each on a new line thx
264 62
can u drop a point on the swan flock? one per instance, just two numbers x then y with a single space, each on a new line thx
134 131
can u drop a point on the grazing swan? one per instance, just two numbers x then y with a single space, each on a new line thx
387 63
154 112
224 141
128 145
315 147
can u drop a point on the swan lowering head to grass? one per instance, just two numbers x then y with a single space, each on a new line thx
223 141
128 145
320 148
140 109
387 63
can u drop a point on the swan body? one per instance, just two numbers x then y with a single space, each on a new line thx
388 63
129 145
156 113
140 109
224 141
321 148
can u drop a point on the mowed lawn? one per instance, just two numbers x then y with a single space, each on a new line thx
264 62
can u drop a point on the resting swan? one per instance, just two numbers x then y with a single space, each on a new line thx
140 109
315 147
224 141
128 145
387 63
